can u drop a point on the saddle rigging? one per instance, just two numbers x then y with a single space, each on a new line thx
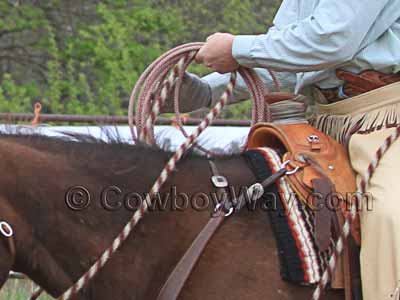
151 91
315 165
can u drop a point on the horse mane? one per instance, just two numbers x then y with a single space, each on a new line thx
113 137
91 152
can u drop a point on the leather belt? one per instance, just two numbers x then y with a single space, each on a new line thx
357 84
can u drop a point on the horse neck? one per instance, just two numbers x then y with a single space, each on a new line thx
56 245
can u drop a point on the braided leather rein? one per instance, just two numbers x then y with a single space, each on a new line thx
152 90
150 93
352 215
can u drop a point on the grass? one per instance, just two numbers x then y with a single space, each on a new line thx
19 289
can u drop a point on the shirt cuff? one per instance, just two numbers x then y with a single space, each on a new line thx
241 48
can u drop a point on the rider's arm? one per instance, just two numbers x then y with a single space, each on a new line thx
197 93
332 35
218 83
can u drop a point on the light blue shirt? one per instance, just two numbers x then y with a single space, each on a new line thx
310 39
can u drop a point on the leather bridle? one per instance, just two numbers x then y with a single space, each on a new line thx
177 279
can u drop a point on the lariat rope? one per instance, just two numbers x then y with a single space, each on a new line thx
154 87
352 215
152 90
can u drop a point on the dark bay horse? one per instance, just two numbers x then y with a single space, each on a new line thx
56 241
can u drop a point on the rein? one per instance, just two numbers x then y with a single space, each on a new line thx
152 90
150 94
175 282
352 215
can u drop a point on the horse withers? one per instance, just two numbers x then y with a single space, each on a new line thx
67 200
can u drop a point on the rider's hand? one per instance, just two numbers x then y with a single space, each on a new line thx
217 53
195 94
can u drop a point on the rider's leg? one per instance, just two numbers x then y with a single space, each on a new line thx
380 227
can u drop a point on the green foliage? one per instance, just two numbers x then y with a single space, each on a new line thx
83 57
19 289
19 95
241 110
234 16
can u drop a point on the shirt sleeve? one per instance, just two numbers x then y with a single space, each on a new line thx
218 83
332 35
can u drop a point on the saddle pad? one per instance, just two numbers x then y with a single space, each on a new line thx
292 222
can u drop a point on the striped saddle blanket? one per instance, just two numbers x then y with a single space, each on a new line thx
292 222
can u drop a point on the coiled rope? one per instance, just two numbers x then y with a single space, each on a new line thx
153 88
